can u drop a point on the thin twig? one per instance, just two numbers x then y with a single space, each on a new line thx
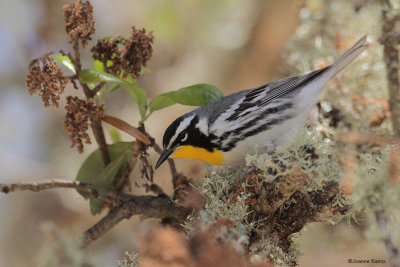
113 196
78 67
98 133
128 205
44 185
147 206
98 88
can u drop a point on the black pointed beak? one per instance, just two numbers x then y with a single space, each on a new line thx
164 156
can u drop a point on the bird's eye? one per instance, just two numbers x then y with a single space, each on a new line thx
184 137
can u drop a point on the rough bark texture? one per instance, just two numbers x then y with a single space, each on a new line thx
391 58
285 205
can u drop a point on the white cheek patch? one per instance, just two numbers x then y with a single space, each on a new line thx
202 125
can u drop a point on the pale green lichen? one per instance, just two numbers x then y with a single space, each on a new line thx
216 190
130 260
359 92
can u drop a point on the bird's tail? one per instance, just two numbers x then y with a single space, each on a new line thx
350 55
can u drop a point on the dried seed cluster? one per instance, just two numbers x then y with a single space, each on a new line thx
108 51
79 22
138 50
79 113
46 79
127 55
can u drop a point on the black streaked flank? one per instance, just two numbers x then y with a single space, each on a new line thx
242 107
263 115
261 128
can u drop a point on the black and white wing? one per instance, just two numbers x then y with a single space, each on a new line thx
253 111
260 97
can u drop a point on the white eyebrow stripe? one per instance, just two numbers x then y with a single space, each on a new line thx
183 125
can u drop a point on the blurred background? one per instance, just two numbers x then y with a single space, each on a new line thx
232 44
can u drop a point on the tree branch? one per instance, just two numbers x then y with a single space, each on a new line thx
98 88
303 208
78 67
274 194
389 40
147 206
126 205
392 251
113 196
391 59
98 133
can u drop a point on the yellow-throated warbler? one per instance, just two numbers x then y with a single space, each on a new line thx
224 131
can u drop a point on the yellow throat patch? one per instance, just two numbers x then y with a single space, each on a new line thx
190 152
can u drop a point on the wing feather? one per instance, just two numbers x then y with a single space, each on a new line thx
261 96
284 86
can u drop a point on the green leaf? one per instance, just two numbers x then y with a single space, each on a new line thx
160 102
114 87
137 93
195 95
93 167
109 63
66 61
104 181
96 205
115 135
98 65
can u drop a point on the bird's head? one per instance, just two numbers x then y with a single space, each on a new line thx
188 137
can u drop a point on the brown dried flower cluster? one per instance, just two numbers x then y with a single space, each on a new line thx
76 123
138 50
47 80
127 55
108 50
79 22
